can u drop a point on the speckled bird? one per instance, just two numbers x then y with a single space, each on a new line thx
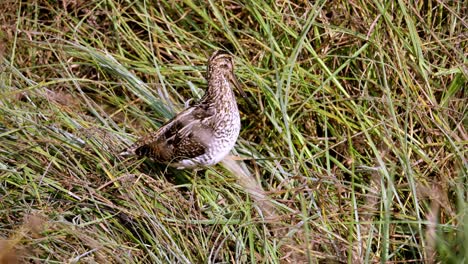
204 133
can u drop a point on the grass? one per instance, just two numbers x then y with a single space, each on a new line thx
355 127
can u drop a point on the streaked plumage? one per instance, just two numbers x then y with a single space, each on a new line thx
202 134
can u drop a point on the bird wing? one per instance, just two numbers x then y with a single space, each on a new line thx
195 134
185 136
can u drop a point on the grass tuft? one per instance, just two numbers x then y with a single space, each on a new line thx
353 139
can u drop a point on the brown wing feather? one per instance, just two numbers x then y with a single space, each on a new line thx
176 139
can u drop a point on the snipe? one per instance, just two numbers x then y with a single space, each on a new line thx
204 133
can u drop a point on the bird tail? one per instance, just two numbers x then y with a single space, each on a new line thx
130 151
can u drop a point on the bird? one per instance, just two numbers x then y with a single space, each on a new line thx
205 132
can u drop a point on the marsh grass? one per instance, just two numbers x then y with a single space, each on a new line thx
355 128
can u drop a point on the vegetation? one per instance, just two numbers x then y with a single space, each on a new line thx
355 127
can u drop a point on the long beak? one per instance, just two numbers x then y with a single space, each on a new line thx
236 83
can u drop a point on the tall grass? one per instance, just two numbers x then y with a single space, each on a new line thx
355 128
